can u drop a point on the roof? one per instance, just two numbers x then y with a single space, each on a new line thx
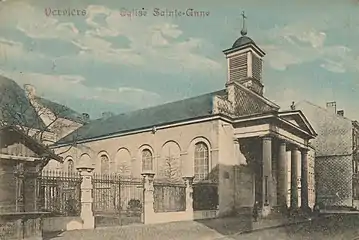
191 108
187 109
40 149
15 108
60 110
242 41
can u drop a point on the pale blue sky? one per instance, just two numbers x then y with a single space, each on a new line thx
106 62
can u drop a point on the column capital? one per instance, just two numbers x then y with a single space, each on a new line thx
304 150
236 140
267 137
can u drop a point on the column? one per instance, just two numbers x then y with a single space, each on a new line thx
148 190
189 196
267 174
282 176
293 179
87 215
304 181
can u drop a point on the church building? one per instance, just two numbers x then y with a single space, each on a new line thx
235 138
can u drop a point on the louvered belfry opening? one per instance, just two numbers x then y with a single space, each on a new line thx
256 68
238 67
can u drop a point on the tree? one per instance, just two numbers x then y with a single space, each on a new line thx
124 168
23 110
171 168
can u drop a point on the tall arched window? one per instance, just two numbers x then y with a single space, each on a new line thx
201 161
147 160
70 166
105 164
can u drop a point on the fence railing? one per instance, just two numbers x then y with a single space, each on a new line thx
169 196
114 194
60 193
205 196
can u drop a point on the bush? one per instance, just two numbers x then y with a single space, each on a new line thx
134 207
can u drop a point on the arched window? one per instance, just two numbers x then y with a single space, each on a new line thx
105 164
201 161
147 160
70 166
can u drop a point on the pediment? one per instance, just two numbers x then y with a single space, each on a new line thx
297 119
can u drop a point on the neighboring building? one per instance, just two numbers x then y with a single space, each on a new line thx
336 160
234 137
40 118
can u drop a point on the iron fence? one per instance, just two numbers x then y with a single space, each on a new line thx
169 196
117 200
205 196
60 193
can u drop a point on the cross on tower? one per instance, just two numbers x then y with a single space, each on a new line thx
244 29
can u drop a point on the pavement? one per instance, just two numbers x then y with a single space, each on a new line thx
223 228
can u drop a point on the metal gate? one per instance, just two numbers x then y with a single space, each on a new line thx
117 200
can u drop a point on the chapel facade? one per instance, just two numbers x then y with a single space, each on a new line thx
234 137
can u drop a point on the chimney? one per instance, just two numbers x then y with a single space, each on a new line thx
340 113
85 117
332 107
30 90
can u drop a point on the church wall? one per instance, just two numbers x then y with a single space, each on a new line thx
183 136
235 178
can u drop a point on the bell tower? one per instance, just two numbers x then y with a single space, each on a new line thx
245 62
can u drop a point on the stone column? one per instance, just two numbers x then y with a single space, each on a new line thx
189 196
293 179
148 191
304 181
87 215
267 175
282 177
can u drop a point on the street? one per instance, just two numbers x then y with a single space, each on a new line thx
343 227
339 227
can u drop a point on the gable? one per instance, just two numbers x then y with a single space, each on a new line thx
18 145
17 149
297 119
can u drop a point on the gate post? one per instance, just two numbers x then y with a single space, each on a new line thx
87 215
189 196
148 191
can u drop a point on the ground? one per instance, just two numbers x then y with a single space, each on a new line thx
343 227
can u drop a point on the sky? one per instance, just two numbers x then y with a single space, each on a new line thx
108 59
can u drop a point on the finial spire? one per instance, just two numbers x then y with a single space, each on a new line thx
244 28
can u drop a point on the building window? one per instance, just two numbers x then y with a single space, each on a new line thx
105 164
201 161
147 160
70 166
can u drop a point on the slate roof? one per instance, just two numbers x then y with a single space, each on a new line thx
15 108
191 108
60 110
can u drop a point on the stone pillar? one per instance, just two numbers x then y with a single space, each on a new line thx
293 179
282 177
20 188
87 215
189 196
148 191
304 181
267 175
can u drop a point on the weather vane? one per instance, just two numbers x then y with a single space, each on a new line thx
244 29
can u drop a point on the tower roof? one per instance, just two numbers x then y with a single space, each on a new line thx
243 40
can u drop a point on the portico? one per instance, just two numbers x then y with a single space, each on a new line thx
265 141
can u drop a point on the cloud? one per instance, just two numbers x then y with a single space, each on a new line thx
74 87
154 42
299 43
